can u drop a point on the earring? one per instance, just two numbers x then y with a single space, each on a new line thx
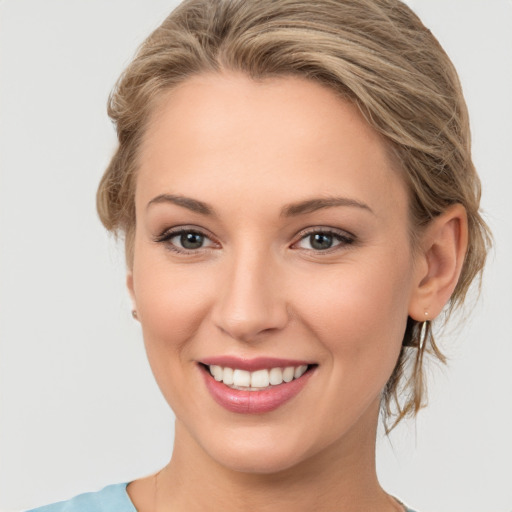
134 314
423 332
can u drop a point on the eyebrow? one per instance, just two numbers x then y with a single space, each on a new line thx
312 205
186 202
290 210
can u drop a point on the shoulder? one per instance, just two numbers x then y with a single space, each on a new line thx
405 507
111 498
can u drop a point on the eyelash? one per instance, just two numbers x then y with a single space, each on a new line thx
343 238
169 234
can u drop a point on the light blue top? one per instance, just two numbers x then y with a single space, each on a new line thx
113 498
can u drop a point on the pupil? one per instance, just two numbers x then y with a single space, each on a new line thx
191 240
321 241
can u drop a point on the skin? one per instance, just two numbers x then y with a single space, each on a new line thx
258 287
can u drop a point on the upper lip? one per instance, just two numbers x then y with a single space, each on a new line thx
251 365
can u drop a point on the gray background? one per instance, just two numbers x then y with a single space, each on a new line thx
78 405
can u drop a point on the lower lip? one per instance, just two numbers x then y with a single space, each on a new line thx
254 402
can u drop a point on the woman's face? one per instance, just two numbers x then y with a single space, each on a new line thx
272 232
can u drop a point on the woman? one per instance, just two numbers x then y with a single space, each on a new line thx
295 188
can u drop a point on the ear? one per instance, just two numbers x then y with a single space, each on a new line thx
131 291
439 262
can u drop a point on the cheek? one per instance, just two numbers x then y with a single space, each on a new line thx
168 307
172 303
359 319
170 297
359 313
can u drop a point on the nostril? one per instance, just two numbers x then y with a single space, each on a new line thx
247 330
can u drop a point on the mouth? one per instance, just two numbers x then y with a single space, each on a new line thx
254 386
244 380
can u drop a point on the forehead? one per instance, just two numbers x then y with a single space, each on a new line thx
280 138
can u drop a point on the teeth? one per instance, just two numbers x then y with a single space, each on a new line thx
217 372
242 378
288 373
259 379
299 371
227 377
276 376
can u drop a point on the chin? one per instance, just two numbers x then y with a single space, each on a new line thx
257 460
263 452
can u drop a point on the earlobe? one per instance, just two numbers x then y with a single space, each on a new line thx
129 285
442 251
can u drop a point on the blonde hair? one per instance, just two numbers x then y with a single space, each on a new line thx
376 53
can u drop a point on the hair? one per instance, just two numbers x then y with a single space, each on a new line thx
375 53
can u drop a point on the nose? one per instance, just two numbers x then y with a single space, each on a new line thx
251 301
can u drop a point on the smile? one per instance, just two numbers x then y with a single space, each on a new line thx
254 386
257 380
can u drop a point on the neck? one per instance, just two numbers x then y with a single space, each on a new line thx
341 477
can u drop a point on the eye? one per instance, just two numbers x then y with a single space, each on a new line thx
323 240
189 240
185 240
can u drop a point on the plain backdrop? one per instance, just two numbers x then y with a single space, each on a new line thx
78 405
